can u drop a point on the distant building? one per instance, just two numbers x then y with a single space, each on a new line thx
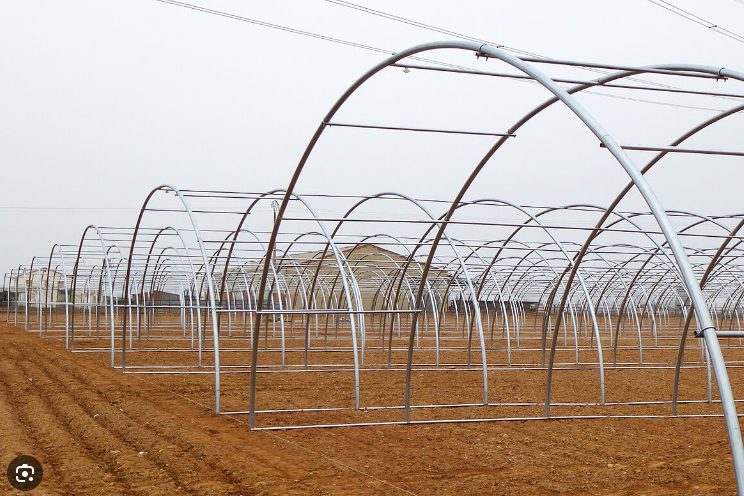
41 286
376 271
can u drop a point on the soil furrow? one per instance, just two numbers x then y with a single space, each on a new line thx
65 456
199 442
158 447
100 443
77 410
17 425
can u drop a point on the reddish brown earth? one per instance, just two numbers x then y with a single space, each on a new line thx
99 431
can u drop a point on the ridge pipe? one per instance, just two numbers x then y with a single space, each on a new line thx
636 176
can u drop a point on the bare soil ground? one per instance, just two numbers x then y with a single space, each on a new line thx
99 431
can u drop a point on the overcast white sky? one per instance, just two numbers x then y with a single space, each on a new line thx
100 101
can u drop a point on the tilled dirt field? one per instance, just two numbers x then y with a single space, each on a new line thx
99 431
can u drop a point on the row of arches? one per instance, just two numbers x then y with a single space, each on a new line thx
398 283
113 282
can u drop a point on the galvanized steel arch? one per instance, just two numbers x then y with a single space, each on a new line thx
210 285
622 158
